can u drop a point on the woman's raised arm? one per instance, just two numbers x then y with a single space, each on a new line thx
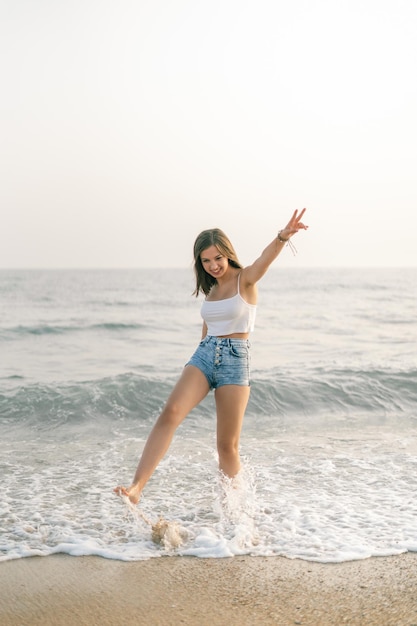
252 273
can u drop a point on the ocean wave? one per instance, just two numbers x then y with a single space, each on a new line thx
50 329
56 405
345 392
116 326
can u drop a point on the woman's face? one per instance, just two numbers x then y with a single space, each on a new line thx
214 262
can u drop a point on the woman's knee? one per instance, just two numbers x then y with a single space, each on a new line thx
172 415
228 448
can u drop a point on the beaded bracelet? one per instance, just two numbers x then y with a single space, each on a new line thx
288 242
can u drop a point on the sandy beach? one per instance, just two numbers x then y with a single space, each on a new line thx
64 590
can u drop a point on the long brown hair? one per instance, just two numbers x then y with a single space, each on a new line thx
207 238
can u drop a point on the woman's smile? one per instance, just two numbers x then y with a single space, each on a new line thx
214 262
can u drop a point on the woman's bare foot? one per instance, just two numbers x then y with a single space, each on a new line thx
133 493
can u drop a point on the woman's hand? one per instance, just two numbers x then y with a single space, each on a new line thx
294 225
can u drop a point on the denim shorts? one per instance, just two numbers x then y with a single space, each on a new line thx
223 361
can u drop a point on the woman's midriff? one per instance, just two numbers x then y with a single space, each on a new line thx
234 336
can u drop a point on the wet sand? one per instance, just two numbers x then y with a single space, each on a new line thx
169 591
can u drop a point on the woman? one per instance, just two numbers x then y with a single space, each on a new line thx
221 362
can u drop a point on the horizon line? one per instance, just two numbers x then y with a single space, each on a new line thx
183 267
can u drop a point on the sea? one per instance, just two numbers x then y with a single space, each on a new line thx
329 441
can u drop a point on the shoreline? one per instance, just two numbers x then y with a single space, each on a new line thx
60 590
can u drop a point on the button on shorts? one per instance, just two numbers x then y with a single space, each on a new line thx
223 361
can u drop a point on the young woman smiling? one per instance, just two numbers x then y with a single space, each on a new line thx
222 359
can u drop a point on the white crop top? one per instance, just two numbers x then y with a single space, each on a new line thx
232 315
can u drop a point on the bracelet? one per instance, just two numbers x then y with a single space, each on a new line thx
288 242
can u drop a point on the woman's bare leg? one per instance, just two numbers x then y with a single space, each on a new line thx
231 403
189 391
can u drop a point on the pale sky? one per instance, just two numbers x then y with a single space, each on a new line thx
128 127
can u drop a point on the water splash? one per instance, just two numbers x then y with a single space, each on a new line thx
238 510
170 534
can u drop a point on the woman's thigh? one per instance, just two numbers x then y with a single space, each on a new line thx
191 388
231 403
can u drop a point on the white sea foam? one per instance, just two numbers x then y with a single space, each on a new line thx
325 500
